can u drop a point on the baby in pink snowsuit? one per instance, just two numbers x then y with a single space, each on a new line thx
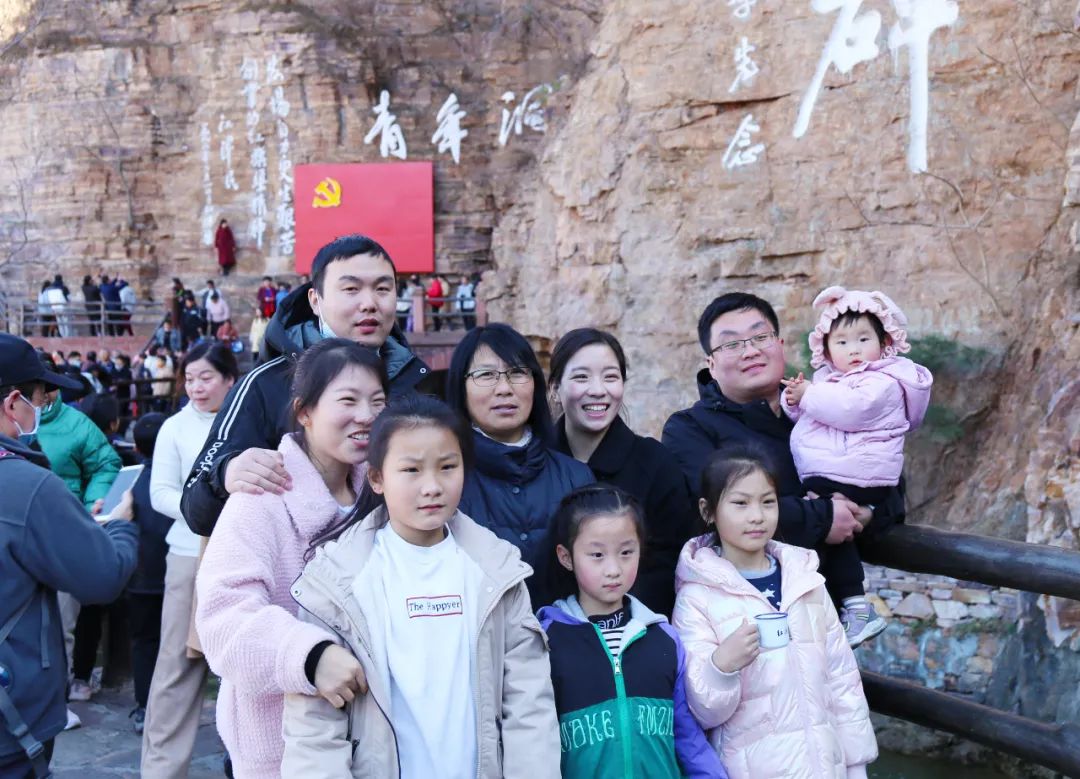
851 421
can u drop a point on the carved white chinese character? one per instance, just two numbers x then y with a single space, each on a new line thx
391 140
745 67
449 134
273 71
742 150
918 19
279 106
852 41
528 113
743 8
249 69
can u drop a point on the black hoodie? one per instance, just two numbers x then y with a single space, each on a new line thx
256 411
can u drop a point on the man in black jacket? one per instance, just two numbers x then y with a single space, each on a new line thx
352 295
740 404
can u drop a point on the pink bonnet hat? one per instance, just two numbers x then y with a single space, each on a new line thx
836 301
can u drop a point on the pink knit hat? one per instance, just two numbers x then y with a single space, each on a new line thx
836 301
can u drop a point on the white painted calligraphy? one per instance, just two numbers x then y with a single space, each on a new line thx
745 67
284 216
743 8
449 134
851 42
207 220
918 19
528 113
391 139
742 150
225 151
249 72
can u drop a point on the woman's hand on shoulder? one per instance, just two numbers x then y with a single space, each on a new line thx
339 677
739 649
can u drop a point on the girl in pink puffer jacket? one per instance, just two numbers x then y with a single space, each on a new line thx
850 425
795 711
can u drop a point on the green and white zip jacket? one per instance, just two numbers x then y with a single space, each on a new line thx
626 715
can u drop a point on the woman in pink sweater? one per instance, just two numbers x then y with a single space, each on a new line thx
246 617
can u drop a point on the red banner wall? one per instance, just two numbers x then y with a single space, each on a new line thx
391 202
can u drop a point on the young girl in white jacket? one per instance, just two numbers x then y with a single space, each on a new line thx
796 710
435 608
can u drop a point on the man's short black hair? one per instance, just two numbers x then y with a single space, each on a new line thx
732 301
342 249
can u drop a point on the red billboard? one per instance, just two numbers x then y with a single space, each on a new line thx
392 202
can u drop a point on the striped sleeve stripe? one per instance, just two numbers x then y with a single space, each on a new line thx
233 411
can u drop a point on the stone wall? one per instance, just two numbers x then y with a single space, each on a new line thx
945 633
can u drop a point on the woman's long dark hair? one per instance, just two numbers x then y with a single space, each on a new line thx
406 412
316 368
512 348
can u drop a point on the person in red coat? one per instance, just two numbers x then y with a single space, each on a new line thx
225 244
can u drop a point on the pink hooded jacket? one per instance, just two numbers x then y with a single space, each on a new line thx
849 427
798 711
246 617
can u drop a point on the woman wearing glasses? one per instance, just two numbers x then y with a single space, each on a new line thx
496 382
588 374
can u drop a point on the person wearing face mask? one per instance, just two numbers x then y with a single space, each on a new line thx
78 450
48 542
353 295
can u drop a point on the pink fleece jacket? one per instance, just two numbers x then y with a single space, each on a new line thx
850 427
246 617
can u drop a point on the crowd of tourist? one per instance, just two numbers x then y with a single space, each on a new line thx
104 306
506 581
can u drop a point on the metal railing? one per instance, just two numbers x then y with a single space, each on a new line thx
77 318
429 314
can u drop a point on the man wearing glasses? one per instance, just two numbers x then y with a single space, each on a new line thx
740 405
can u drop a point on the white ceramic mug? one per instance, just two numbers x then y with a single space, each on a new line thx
773 629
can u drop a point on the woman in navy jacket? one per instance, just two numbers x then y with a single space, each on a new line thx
588 371
496 382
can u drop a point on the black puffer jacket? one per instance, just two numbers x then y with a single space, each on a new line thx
714 422
256 411
644 468
513 491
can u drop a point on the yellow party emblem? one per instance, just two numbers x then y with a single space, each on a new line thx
327 194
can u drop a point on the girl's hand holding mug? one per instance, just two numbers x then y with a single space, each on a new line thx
339 677
739 649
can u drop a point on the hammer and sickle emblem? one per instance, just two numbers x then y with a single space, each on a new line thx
327 194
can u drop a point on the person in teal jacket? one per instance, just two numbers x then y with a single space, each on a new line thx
78 452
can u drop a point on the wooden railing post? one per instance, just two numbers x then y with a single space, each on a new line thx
418 311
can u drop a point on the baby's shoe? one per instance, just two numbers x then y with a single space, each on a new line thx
861 622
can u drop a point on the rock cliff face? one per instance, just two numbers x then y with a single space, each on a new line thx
640 213
669 172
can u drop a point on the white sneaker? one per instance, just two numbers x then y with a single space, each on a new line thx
80 691
73 721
